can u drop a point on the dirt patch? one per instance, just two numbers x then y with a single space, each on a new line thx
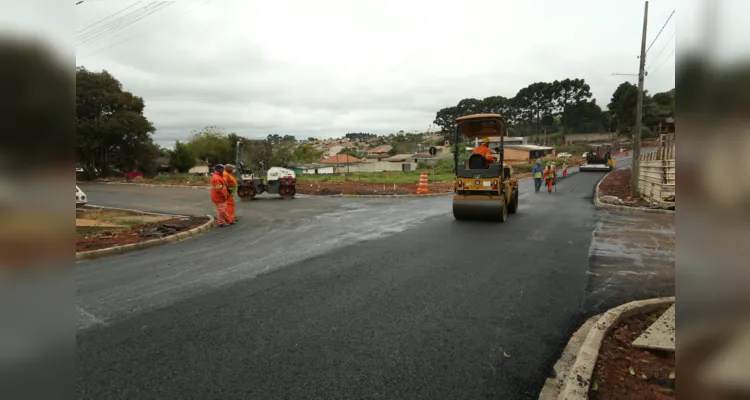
626 372
368 188
101 238
617 183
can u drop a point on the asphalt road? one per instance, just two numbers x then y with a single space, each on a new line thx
335 298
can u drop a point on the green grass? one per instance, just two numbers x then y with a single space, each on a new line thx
378 177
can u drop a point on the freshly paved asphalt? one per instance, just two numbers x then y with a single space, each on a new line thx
338 298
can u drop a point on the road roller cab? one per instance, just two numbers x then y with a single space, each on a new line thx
482 191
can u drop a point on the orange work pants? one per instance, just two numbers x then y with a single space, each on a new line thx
230 208
221 213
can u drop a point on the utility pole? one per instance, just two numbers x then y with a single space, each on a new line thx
639 111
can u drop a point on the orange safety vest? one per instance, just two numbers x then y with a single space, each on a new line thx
485 152
218 188
231 183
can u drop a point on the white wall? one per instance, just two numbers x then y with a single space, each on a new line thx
378 166
320 171
199 169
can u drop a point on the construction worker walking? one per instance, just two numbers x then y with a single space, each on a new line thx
536 173
231 190
219 195
550 176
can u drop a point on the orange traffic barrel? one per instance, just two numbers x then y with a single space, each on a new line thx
422 188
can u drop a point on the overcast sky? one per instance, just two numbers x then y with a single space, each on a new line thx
326 67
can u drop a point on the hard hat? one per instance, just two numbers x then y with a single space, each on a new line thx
218 167
228 166
485 140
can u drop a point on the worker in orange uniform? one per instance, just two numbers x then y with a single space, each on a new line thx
231 190
219 195
484 150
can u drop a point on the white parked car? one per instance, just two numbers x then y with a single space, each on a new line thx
80 197
565 155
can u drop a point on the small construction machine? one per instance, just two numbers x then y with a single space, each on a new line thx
486 192
278 180
599 158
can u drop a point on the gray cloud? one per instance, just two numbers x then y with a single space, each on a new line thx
328 67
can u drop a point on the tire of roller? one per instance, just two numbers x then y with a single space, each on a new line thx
485 210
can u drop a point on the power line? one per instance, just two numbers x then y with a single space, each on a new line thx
663 62
660 30
662 49
106 18
118 21
144 31
124 22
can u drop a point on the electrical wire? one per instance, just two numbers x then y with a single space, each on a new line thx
660 31
124 23
106 18
663 62
662 50
124 18
142 32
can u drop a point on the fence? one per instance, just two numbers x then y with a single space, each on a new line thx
656 176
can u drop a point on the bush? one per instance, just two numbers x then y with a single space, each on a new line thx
646 132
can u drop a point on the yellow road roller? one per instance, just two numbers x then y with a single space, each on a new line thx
485 187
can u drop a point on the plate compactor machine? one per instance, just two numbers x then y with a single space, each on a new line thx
483 190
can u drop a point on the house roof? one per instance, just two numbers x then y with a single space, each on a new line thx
341 159
311 166
381 149
506 138
399 157
529 147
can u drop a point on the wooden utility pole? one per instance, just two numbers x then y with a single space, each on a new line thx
639 111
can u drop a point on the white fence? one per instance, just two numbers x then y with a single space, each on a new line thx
656 176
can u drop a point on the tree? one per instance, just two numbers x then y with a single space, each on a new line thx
274 139
585 117
306 154
446 120
110 125
569 94
348 151
257 153
622 105
212 144
181 158
534 102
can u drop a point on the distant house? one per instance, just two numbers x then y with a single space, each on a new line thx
333 150
200 168
495 141
314 169
340 159
379 152
526 152
162 164
668 126
408 161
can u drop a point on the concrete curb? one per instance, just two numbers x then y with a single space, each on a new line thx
578 379
110 251
136 211
599 204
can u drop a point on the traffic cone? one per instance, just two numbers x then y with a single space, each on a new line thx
422 188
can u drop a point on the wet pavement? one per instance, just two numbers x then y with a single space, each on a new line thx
632 257
349 298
